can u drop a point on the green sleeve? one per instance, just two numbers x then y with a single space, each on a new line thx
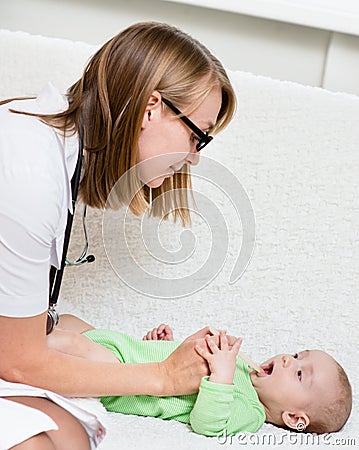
212 410
221 408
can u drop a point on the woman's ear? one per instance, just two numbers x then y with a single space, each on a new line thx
297 421
153 109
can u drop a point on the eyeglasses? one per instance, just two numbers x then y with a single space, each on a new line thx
203 137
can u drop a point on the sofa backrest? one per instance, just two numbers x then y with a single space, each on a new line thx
290 156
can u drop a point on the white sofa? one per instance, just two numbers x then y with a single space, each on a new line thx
294 150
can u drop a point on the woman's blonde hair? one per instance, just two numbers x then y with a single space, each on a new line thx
108 102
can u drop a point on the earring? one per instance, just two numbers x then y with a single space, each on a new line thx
149 115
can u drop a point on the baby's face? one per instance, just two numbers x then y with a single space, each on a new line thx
294 382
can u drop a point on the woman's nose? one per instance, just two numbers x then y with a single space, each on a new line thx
193 158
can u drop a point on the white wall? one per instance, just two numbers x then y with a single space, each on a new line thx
266 47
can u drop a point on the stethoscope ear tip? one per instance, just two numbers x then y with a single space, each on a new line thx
90 258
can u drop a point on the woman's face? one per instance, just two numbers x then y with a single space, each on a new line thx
166 143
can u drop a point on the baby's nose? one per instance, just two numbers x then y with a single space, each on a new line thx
286 361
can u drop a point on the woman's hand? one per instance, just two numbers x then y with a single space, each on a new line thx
162 333
221 357
200 334
182 372
184 369
210 331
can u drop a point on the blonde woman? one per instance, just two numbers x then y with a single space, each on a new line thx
152 96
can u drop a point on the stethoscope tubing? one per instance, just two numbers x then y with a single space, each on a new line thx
83 258
57 274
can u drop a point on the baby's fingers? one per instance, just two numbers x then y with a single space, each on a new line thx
147 336
168 333
161 330
223 341
151 335
237 345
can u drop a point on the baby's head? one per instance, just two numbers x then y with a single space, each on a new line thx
305 391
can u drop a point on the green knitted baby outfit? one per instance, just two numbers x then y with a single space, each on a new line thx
217 408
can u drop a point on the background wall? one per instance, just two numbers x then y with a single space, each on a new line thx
266 47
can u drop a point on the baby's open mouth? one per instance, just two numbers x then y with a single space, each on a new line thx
267 369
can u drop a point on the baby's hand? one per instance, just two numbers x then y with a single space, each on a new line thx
221 358
161 333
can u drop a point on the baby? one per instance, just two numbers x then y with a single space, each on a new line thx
307 391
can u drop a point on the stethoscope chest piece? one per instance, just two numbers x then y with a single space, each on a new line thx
52 319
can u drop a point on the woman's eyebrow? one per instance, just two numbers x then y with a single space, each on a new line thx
208 126
211 126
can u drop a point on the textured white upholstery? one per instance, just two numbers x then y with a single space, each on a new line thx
294 149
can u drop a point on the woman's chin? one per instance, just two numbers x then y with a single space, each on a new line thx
156 182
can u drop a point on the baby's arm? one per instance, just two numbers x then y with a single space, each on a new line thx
68 338
212 411
76 344
221 358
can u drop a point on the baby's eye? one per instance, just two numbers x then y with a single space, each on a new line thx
300 375
295 356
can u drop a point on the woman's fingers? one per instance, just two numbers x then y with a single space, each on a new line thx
212 344
202 350
199 334
217 343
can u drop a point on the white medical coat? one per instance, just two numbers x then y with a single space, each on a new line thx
36 166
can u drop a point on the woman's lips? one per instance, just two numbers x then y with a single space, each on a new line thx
170 173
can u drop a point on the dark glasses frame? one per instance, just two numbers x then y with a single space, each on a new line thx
203 137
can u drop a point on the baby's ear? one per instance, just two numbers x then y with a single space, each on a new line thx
297 421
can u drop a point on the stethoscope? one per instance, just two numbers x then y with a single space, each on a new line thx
57 274
83 258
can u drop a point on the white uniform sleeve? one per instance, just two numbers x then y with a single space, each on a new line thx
31 205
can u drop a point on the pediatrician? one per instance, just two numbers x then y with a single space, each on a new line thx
127 109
